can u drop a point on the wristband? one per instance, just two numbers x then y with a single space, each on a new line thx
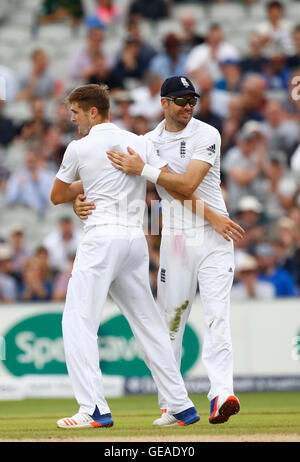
150 173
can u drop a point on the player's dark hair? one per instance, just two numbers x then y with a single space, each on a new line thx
274 4
91 95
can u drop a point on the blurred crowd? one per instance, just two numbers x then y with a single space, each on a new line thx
251 96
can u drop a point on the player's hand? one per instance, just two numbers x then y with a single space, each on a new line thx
228 228
131 164
81 208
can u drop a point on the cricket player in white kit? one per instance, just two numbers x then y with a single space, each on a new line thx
112 258
192 150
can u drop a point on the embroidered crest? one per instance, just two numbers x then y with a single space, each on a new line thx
182 149
184 82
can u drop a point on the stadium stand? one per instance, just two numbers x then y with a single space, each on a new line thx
256 159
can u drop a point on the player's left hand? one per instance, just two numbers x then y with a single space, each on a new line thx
131 164
81 208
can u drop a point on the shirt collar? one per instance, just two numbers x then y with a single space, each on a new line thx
187 131
104 126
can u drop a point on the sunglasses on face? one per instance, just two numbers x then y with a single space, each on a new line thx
180 101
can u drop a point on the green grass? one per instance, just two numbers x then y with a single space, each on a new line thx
261 413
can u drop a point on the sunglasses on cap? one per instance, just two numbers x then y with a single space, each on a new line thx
180 101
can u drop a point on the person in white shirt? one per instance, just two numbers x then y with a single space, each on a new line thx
248 286
111 258
276 30
62 242
209 55
190 252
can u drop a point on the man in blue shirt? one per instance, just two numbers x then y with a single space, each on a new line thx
283 282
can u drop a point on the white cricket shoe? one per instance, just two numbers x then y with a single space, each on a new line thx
166 420
84 420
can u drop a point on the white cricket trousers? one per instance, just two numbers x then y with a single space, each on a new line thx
183 263
115 260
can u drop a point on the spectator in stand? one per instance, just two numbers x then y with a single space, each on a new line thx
295 164
205 112
121 115
61 280
107 12
247 284
270 271
7 128
80 65
147 99
254 60
243 166
20 254
52 11
250 215
285 247
42 254
63 119
37 125
54 147
232 122
276 73
275 31
171 61
253 97
11 82
140 125
31 185
154 10
8 285
36 287
293 61
129 64
282 134
146 50
282 186
189 37
101 73
37 81
232 76
210 54
62 242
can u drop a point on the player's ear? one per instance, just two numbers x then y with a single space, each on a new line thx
93 112
164 103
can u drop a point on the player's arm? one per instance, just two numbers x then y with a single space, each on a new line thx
66 187
185 183
65 192
222 224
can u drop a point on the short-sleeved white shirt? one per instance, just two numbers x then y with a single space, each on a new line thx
119 198
199 141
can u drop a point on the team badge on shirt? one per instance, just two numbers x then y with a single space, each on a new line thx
182 149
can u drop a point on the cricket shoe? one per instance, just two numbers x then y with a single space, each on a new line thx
222 407
84 420
187 417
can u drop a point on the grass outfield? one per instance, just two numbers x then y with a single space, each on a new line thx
263 417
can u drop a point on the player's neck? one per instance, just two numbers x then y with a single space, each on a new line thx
98 121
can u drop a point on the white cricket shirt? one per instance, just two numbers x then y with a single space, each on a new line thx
119 198
199 141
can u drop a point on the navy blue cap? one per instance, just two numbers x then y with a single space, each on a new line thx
178 86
